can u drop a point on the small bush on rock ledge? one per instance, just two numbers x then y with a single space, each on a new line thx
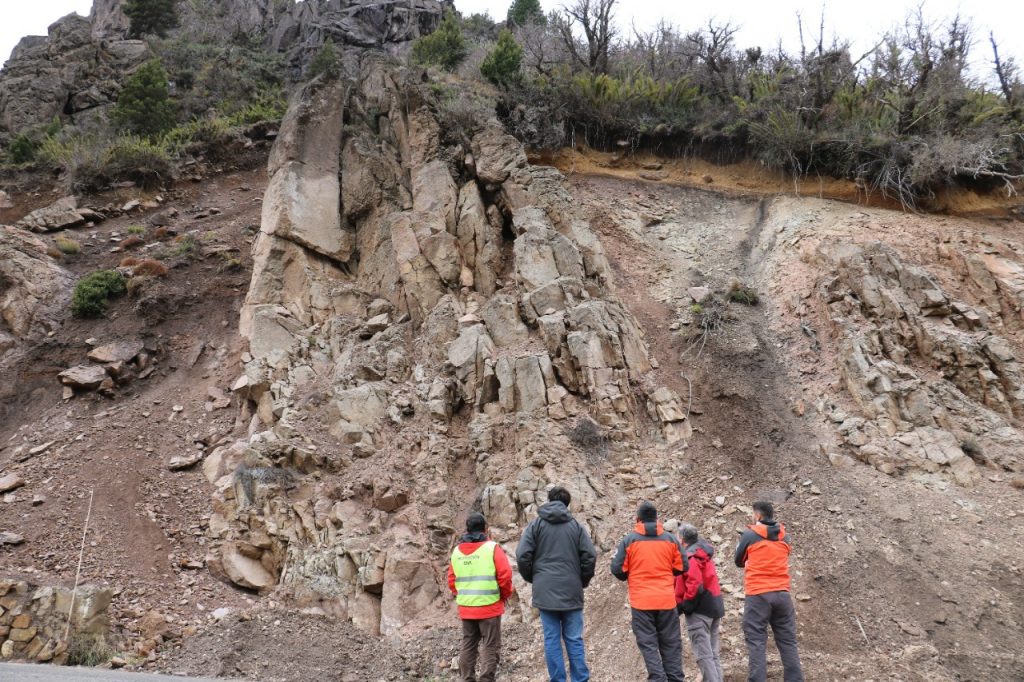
445 47
92 291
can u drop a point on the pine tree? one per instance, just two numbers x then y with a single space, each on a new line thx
325 61
501 65
144 106
151 17
445 47
523 12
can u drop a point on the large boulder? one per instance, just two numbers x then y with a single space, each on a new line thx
420 279
290 275
244 569
119 351
434 192
410 587
83 377
479 240
108 20
302 202
496 154
34 290
60 215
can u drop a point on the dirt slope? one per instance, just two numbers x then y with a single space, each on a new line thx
146 533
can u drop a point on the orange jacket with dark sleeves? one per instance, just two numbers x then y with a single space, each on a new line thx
763 552
650 559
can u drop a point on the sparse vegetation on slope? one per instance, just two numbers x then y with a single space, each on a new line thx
904 119
92 291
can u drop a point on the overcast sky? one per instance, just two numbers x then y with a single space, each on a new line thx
761 22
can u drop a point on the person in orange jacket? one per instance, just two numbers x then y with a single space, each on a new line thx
763 553
649 559
480 577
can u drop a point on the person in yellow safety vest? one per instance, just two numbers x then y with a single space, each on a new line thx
480 577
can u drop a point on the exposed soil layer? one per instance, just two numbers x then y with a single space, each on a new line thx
750 177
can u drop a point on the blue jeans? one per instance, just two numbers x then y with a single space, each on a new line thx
564 626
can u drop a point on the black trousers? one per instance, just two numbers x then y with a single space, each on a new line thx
660 642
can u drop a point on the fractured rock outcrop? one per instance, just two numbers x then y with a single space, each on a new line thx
430 302
897 328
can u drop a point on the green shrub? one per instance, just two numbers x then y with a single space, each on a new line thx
745 295
446 47
22 149
269 105
145 162
480 28
501 65
136 229
144 106
150 17
67 246
92 291
325 62
201 132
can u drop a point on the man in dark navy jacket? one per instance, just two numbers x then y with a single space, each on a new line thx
557 556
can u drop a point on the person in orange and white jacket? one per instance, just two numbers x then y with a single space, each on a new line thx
763 553
649 558
480 577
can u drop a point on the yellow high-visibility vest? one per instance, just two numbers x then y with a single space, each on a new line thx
476 580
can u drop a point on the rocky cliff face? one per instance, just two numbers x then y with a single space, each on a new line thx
76 70
415 308
64 74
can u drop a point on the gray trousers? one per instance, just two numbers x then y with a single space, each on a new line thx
706 645
775 609
660 643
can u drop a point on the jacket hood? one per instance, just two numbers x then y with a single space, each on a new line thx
773 530
473 537
701 547
650 528
554 512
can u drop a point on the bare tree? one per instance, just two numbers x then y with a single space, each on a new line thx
543 50
594 18
659 51
714 48
1006 72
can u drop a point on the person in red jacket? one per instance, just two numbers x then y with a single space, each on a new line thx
480 577
699 597
763 553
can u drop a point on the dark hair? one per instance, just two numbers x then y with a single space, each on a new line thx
476 523
689 533
559 494
647 512
765 509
